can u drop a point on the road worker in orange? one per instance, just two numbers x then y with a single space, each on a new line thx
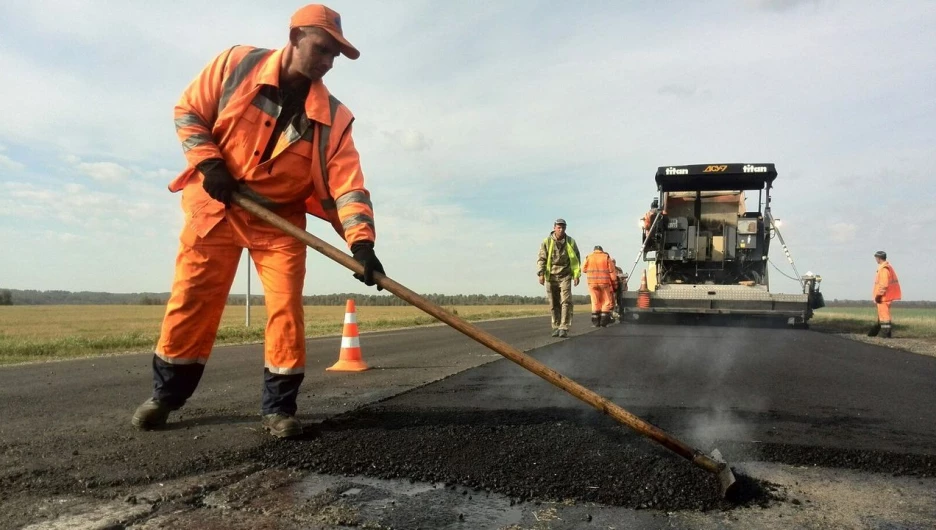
258 120
602 284
886 290
647 222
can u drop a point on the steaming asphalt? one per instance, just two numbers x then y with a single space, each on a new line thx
776 395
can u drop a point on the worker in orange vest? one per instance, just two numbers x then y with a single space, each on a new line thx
259 121
602 283
886 290
647 222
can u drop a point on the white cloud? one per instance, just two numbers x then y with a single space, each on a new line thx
63 237
843 232
10 164
78 208
680 91
409 140
782 5
104 171
160 174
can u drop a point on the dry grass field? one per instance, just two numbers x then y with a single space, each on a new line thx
909 322
36 333
33 333
914 327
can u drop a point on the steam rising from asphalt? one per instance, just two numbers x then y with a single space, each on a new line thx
689 373
712 353
683 386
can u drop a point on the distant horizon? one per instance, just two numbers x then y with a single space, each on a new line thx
386 294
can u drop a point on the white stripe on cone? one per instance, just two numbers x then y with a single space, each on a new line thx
350 318
350 342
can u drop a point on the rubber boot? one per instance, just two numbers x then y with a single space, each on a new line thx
595 319
152 414
605 319
282 425
886 330
875 330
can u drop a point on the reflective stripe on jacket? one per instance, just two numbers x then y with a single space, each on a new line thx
549 246
886 284
600 269
228 112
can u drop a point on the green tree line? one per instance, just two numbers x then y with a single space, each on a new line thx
33 297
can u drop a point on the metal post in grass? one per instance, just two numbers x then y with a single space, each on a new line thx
247 303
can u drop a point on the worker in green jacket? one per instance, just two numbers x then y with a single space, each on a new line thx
559 267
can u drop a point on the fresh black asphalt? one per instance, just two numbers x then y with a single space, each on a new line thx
780 395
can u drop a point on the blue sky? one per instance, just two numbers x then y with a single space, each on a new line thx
478 124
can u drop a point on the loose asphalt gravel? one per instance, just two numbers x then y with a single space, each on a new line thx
774 395
756 394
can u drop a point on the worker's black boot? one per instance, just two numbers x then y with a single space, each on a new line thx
886 330
875 330
279 403
605 319
555 332
173 384
152 414
595 319
282 425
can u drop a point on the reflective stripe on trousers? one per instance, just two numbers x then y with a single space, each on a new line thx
602 298
883 312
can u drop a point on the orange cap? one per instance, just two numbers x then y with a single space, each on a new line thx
319 16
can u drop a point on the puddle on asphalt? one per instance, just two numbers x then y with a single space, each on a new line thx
406 504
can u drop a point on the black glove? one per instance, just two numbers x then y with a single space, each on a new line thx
363 252
218 180
878 299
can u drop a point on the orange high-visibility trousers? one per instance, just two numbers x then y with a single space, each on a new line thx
602 298
205 270
884 313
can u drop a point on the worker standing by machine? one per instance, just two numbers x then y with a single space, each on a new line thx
886 290
558 267
648 218
621 288
602 284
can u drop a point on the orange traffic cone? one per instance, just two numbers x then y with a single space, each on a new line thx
643 294
349 360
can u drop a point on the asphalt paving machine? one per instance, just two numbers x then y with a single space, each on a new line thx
706 248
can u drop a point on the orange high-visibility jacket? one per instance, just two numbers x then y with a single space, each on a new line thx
886 284
600 269
226 113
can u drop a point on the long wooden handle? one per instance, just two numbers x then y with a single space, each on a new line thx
602 404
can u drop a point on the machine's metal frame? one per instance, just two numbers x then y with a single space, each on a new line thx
690 280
